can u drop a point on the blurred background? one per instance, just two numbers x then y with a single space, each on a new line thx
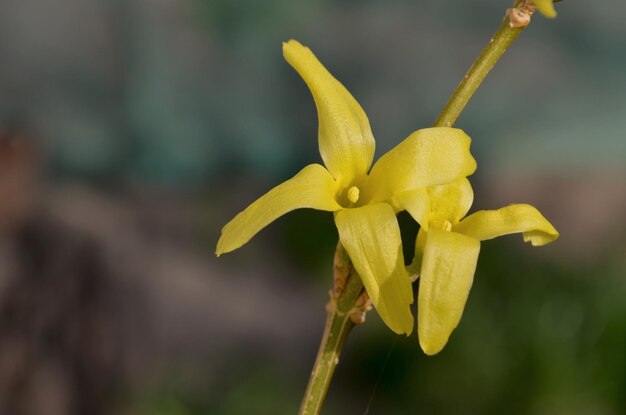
131 131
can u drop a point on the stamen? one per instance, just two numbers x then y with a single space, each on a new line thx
353 194
442 224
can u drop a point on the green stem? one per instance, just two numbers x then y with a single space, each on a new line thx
339 322
498 44
338 325
335 335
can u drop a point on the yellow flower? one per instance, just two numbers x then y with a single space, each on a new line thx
360 199
447 249
546 7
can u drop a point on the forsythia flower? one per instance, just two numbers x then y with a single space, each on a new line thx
546 7
361 199
447 249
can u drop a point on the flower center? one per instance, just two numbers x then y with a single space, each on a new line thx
353 194
443 225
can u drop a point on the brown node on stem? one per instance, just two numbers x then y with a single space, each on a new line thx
360 309
341 272
520 15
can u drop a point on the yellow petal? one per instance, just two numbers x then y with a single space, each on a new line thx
313 187
546 7
345 139
420 243
451 202
427 157
489 224
371 236
417 203
446 278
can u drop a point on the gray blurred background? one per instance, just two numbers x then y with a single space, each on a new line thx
131 131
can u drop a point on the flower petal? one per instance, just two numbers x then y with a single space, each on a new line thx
420 243
451 201
371 236
489 224
345 138
313 187
546 7
428 157
417 203
448 268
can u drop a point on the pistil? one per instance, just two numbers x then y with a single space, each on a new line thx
353 194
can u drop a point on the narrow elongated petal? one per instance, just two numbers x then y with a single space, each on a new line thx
371 237
546 7
427 157
345 138
313 187
489 224
448 267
